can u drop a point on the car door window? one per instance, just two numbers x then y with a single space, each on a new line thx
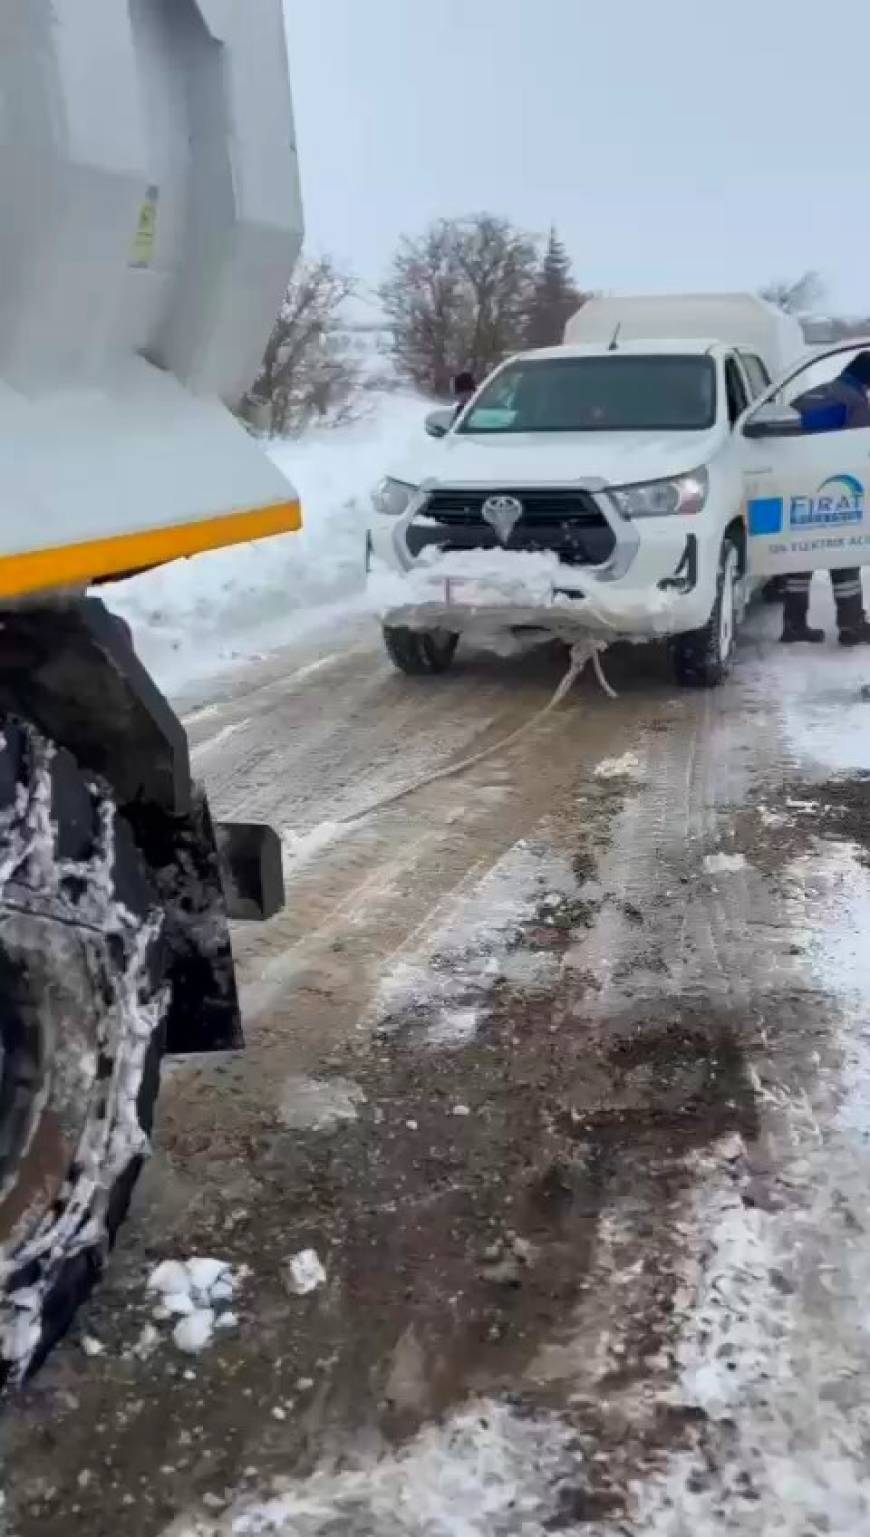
735 391
831 393
756 373
501 404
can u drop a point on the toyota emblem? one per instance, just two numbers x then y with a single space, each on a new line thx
502 513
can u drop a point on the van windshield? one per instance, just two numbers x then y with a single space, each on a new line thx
668 393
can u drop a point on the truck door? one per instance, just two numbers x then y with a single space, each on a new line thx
807 470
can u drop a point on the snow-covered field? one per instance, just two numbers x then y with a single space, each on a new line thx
196 617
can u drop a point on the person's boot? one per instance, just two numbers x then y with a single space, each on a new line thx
856 634
795 628
795 631
853 624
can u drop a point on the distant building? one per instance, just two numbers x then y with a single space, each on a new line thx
822 330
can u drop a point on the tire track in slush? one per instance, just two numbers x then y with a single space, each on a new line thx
229 1178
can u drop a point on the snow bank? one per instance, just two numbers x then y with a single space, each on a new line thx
195 617
819 690
775 1348
488 1471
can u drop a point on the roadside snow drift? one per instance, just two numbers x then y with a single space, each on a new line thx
193 618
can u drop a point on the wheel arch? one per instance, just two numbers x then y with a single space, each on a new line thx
736 532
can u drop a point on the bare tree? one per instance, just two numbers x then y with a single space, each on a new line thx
457 298
305 374
798 296
425 304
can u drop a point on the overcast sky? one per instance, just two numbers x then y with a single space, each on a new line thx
676 144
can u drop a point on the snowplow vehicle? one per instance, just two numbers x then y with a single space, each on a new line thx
151 221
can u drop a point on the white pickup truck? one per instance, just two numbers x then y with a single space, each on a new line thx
633 483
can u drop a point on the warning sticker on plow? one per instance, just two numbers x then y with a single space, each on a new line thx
144 241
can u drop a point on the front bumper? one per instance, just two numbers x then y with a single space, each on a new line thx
658 579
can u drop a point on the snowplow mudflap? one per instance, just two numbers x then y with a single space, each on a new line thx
251 870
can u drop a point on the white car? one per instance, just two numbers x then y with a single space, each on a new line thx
620 485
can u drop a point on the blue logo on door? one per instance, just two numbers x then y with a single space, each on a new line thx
765 516
838 501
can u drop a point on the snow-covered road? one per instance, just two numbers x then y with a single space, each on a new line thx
543 1178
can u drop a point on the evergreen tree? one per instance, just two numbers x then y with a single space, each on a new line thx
555 297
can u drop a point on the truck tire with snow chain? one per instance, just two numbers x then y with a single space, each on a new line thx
81 1036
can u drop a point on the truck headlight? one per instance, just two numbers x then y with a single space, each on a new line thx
392 497
663 498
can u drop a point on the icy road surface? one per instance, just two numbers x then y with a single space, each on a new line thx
545 1170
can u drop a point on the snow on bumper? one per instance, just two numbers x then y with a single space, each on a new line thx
486 591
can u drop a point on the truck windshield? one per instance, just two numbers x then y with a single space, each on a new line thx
601 394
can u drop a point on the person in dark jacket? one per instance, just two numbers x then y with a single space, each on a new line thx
464 386
834 407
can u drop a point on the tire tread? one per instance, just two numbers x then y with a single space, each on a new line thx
79 809
695 655
419 652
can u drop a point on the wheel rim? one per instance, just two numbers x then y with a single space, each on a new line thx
727 608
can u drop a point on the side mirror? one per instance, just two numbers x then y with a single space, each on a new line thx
773 421
439 423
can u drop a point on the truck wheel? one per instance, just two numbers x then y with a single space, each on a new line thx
420 651
702 658
81 1018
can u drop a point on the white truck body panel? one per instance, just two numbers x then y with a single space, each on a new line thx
151 221
743 321
137 453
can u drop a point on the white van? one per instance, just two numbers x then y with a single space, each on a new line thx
617 484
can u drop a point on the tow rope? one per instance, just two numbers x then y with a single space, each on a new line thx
582 653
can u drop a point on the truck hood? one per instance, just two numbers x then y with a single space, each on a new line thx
520 459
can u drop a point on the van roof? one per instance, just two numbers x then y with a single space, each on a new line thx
666 345
734 319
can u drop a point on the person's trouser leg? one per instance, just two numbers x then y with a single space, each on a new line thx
796 607
849 598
